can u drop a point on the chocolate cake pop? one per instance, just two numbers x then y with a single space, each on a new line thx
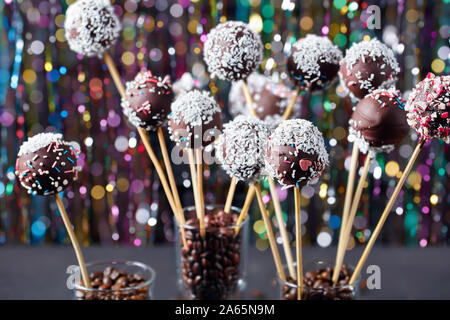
313 62
46 164
378 122
296 153
240 148
195 120
428 108
148 99
91 26
232 51
368 65
270 99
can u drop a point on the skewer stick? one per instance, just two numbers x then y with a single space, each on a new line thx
272 242
386 212
195 191
298 243
346 229
114 73
230 195
74 240
249 99
198 154
282 227
245 208
290 107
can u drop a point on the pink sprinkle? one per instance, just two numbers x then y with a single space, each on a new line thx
49 147
444 115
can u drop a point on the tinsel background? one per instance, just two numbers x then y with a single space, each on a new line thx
118 199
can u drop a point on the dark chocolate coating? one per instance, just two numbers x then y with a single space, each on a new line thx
366 69
382 122
49 172
328 72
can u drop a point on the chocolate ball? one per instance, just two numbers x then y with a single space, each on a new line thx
428 108
367 66
378 122
296 153
240 149
195 120
46 164
232 51
270 99
91 26
313 62
148 100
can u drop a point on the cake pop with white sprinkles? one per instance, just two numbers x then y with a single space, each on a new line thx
195 119
296 153
313 62
428 108
147 100
270 99
368 65
240 148
232 51
46 164
91 26
378 122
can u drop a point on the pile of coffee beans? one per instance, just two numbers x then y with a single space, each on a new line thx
210 265
110 285
318 285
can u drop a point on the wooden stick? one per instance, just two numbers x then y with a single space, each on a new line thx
230 195
282 227
249 99
290 107
272 242
298 243
198 154
74 240
245 208
386 212
347 228
195 191
114 74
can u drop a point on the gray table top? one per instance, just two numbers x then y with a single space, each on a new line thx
28 272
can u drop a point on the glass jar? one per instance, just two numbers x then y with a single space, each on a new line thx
316 283
212 267
115 280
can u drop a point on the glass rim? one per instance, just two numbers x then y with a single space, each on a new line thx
144 266
294 285
213 206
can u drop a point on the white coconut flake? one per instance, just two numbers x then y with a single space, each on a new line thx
39 141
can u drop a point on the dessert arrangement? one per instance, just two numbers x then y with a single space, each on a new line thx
267 139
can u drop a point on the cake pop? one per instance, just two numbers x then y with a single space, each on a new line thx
195 120
378 122
46 164
147 101
428 108
240 148
91 26
368 65
270 99
296 153
313 62
232 51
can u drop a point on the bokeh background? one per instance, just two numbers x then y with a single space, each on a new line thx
118 199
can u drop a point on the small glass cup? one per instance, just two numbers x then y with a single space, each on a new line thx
138 276
288 287
212 267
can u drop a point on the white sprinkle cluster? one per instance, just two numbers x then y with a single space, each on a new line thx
186 83
257 83
311 51
232 51
195 108
38 141
303 136
241 147
428 107
91 26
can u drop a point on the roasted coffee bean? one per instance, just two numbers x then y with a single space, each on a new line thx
213 269
110 284
318 285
